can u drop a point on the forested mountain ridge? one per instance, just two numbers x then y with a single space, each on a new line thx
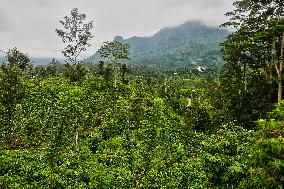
191 44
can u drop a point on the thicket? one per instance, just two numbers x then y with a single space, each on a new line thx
137 135
118 126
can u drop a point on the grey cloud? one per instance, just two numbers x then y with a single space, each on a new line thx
42 2
203 4
3 24
31 24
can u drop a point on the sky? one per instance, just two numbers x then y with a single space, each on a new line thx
30 25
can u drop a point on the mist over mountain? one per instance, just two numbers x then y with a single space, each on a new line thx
36 61
43 61
191 44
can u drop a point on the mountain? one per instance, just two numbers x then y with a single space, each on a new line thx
43 61
36 61
191 44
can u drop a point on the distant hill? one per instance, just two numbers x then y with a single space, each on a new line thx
191 44
37 61
43 61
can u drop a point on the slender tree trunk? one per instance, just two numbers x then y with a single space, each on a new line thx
245 76
272 59
76 135
76 139
114 72
279 90
51 178
9 112
240 77
281 68
278 66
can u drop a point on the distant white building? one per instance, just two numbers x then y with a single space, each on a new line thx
200 69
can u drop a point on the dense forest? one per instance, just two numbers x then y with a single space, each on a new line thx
120 122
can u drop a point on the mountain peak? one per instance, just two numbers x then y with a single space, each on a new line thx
190 44
118 38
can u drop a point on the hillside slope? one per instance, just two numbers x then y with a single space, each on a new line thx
191 44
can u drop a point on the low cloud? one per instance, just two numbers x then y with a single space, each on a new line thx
3 24
203 4
30 24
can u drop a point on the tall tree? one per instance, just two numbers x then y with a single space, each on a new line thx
12 89
76 33
115 51
259 26
251 79
16 58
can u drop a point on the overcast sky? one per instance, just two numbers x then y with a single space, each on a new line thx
30 24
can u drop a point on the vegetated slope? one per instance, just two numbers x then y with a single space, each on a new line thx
191 44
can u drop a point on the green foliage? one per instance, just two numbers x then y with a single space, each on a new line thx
115 51
76 34
76 72
11 88
175 128
253 60
197 118
225 156
12 91
92 135
268 163
16 58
